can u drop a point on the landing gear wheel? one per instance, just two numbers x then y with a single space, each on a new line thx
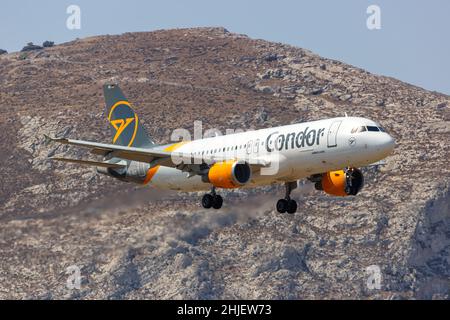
348 190
207 201
217 202
282 205
287 204
291 206
318 186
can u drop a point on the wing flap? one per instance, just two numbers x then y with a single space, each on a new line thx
91 163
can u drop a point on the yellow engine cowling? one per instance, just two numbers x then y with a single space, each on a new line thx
342 182
229 174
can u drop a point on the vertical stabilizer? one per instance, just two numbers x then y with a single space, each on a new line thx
125 124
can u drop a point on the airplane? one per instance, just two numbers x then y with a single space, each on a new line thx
326 152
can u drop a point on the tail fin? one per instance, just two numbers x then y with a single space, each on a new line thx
125 124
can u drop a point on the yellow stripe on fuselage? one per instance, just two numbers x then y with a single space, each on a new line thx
152 171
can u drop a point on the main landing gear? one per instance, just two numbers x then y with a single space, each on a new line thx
212 200
287 204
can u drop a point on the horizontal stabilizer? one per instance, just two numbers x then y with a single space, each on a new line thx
124 152
91 163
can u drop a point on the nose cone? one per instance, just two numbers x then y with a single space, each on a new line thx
386 144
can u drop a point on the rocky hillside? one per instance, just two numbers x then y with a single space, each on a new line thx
138 243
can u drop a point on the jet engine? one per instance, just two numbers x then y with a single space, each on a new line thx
228 174
341 182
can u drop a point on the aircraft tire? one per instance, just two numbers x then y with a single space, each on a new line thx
207 201
282 205
291 206
318 186
217 202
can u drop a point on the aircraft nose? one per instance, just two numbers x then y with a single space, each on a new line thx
387 143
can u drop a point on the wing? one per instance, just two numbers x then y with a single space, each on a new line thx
154 156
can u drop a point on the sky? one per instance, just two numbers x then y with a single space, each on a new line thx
412 44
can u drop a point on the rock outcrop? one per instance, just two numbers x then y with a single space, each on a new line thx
31 47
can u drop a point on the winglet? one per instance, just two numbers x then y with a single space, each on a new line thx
47 139
378 163
59 140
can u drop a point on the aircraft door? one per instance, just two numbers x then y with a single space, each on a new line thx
249 146
256 146
332 133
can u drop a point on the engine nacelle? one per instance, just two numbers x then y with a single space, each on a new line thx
342 182
229 174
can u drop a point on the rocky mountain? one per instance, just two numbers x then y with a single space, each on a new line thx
131 242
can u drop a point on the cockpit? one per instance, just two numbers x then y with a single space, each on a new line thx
366 134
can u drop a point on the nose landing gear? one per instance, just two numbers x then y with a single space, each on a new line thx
212 200
287 204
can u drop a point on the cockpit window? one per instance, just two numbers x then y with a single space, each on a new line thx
359 129
368 128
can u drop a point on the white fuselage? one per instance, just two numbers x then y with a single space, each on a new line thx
294 151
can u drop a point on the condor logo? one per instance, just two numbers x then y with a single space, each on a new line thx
276 141
125 122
